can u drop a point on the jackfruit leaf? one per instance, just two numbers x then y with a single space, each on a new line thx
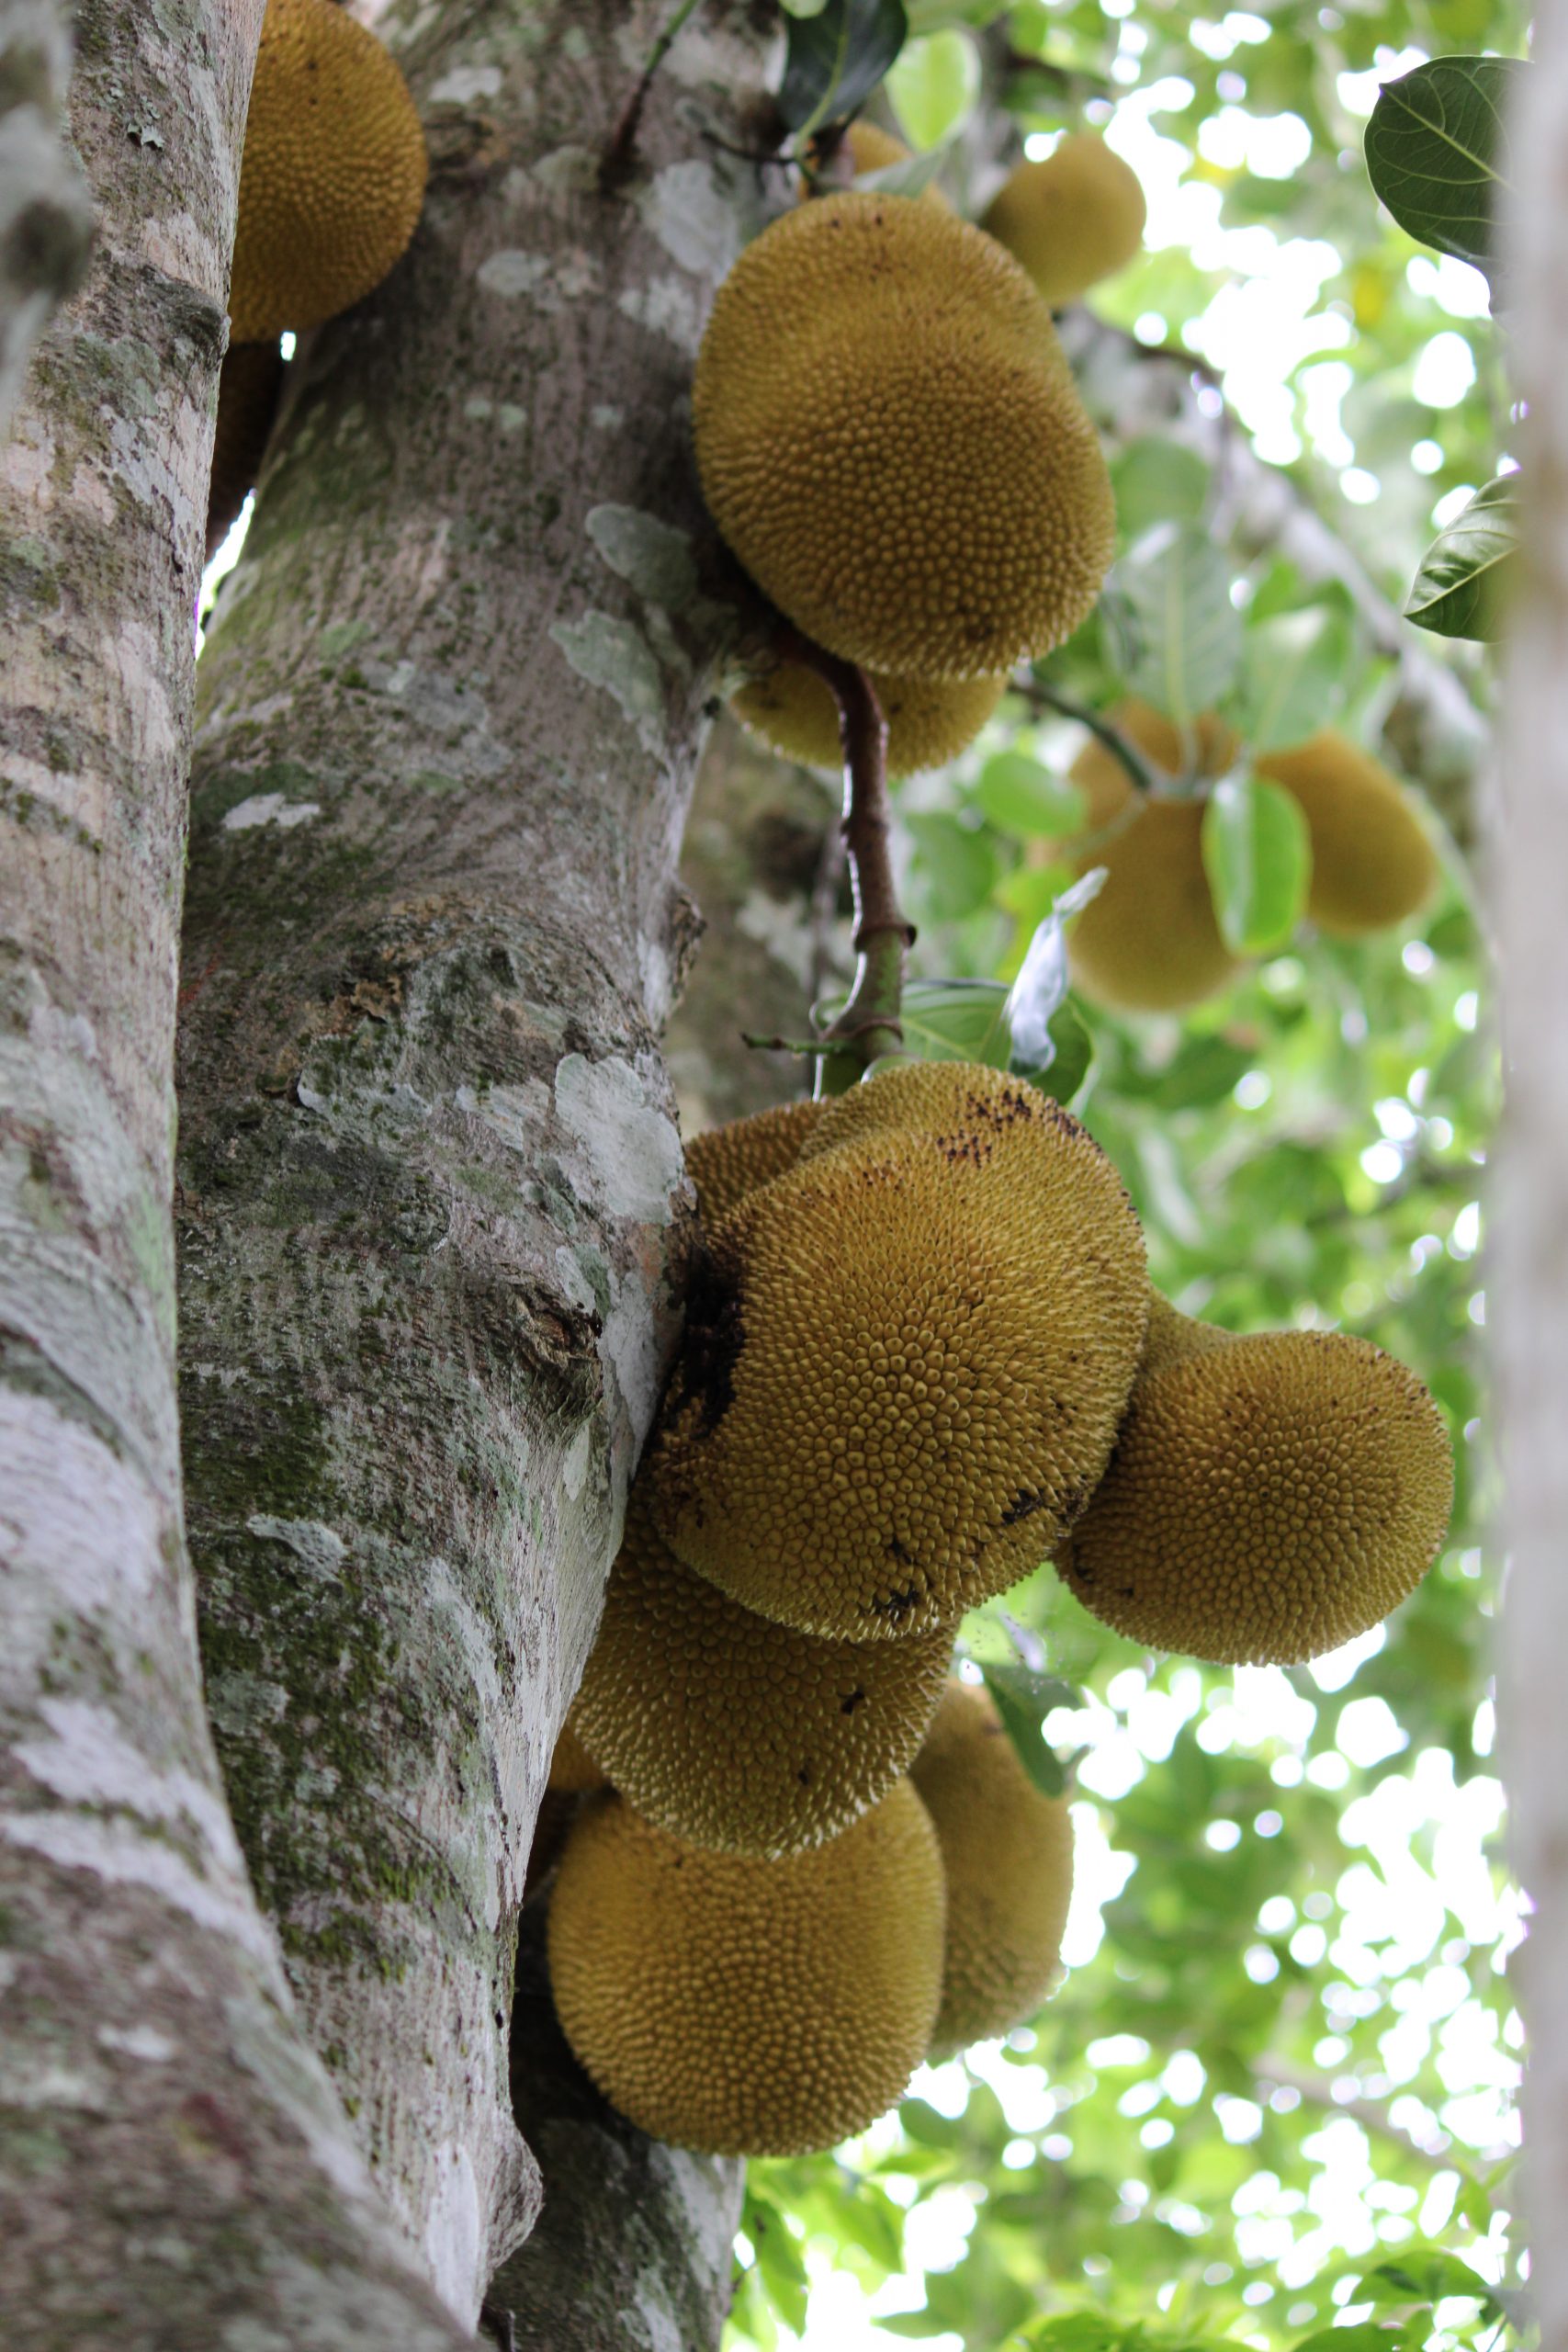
1436 152
1022 1699
1156 481
955 870
1424 2274
1258 856
967 1021
836 58
778 2262
804 7
1294 676
911 177
1026 799
1370 2335
933 85
1469 572
931 15
1174 633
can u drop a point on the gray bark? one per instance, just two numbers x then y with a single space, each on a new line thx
433 1212
173 2160
1529 1224
46 210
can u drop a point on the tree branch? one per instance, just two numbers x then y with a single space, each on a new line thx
1044 695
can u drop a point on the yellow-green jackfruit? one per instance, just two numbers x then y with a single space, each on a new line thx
333 173
1372 862
1150 942
890 439
733 1732
1269 1497
1006 1850
249 383
904 1360
928 722
745 2007
727 1162
1071 219
865 148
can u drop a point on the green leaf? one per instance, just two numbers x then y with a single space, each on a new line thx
836 58
1470 571
1295 672
1156 481
1436 153
1175 633
1023 1698
954 871
1026 799
933 85
1259 861
911 177
931 15
804 7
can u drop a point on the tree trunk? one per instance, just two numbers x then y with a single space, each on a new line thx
175 2157
46 211
434 1215
1528 1222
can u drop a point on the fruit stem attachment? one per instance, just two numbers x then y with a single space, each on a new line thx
1138 771
616 160
869 1027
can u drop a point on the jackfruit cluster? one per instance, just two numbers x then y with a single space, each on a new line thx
1151 942
331 175
1072 219
1269 1497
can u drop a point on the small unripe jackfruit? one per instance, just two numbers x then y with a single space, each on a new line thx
865 148
1372 862
249 383
1269 1497
733 1732
727 1162
890 439
745 2007
1150 942
929 721
1006 1850
1071 219
904 1360
333 173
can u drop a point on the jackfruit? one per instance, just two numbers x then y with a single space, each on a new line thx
1269 1497
889 438
739 1734
928 722
865 148
249 383
1071 219
572 1772
1372 863
745 2007
333 173
1150 942
1007 1851
905 1359
727 1162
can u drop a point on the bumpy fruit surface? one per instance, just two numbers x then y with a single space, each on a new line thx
1071 219
904 1360
745 2007
333 174
727 1162
1372 862
1150 942
1007 1853
928 722
1269 1497
733 1732
890 439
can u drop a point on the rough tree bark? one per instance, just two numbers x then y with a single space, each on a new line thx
46 211
173 2155
434 1216
1529 1224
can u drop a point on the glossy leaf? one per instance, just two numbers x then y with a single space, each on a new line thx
1176 636
1026 799
836 58
1435 152
1258 856
933 85
1158 480
1022 1699
1469 572
1295 675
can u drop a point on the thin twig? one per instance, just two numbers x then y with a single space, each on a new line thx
1133 762
616 160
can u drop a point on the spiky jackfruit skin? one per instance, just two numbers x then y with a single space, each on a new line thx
1007 1851
1150 942
1268 1498
572 1772
737 1733
890 439
333 173
1372 865
1071 219
745 2007
905 1360
929 721
249 383
727 1162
